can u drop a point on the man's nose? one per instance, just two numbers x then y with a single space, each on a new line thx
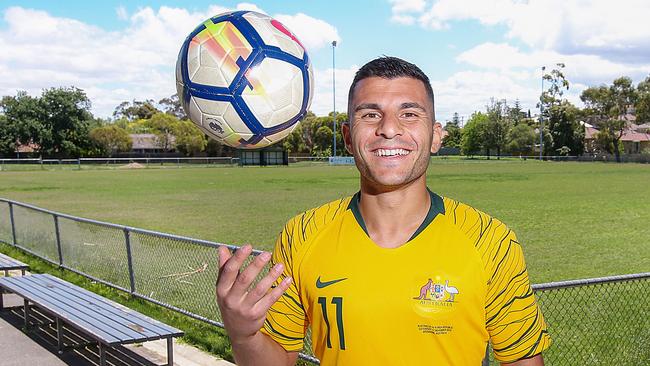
389 127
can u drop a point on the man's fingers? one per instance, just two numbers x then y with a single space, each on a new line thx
267 301
247 276
229 269
224 255
263 287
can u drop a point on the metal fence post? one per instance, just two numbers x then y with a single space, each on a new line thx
127 238
58 239
13 225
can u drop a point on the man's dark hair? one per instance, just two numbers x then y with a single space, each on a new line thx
388 67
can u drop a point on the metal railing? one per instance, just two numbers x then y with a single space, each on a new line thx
598 321
115 163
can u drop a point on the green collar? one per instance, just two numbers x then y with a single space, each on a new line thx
437 207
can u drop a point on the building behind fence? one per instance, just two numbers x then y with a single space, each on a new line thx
598 321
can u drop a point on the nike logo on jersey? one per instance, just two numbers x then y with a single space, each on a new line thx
320 284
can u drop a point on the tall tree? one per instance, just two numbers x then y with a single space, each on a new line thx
496 132
454 135
565 129
135 110
172 105
608 106
23 123
56 123
642 106
473 134
69 120
521 139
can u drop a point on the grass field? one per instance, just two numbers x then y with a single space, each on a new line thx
575 220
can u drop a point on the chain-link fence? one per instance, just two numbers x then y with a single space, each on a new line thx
599 321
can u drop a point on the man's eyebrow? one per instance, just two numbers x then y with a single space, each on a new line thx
367 106
412 105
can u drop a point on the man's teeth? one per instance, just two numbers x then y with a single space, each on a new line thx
391 152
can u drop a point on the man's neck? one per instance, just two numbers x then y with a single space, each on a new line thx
392 216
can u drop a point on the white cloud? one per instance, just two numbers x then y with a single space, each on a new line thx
615 30
136 61
313 33
402 19
322 102
121 12
400 6
580 68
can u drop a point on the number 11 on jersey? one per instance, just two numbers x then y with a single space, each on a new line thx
338 304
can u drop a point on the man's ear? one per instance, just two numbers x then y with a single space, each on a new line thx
437 137
347 138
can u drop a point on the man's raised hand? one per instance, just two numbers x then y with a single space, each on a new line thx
243 312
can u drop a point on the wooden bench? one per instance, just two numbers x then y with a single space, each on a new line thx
106 322
7 263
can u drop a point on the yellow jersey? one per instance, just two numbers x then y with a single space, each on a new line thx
458 282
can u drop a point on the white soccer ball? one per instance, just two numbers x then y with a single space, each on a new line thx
244 79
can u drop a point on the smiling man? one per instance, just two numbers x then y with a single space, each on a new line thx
394 275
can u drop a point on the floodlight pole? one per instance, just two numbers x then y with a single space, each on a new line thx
541 118
334 99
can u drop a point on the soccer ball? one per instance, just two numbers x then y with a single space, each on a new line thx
244 79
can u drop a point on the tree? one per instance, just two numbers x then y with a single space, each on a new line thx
642 105
495 134
22 123
563 125
135 110
454 135
521 139
111 139
163 126
172 105
190 140
607 106
56 123
473 133
68 120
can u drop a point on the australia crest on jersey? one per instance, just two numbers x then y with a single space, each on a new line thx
437 292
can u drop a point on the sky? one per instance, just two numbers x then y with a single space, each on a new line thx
472 50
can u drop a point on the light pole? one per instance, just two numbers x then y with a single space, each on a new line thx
541 118
334 99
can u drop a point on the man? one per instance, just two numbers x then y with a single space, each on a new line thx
395 275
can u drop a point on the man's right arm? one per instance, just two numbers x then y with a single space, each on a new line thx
243 312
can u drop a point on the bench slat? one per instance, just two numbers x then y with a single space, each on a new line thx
98 316
8 263
44 302
118 310
89 312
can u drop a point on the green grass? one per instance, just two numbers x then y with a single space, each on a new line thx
575 220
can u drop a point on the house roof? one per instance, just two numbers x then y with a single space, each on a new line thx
630 134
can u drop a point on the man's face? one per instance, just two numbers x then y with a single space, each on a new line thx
391 132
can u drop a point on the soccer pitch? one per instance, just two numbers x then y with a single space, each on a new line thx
575 220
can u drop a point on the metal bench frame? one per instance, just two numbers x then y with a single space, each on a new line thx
18 286
7 263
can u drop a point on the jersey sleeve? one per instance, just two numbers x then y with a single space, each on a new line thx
513 319
286 321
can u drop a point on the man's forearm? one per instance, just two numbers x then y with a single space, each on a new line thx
262 350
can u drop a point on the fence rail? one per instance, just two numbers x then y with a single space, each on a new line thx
594 321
